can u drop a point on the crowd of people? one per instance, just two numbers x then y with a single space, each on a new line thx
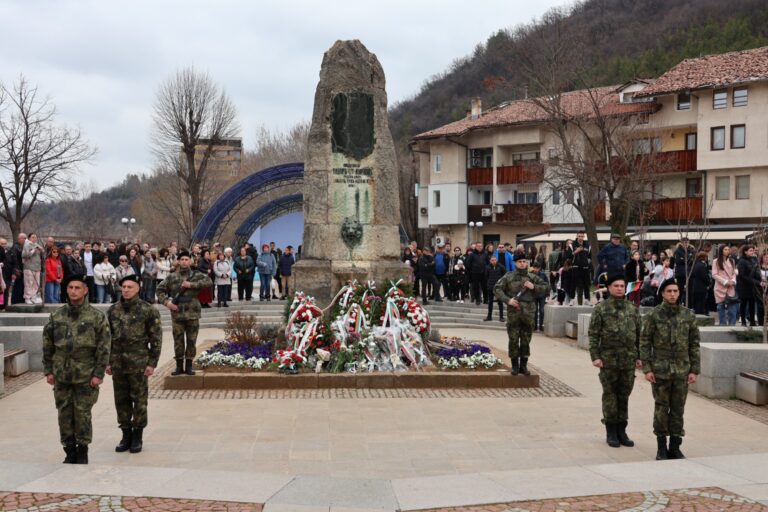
32 272
729 279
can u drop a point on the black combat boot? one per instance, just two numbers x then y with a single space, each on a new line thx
82 454
674 448
189 370
661 450
610 435
515 366
179 367
524 366
621 433
137 443
125 442
70 448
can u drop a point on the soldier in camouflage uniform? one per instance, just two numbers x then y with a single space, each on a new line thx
519 290
669 349
137 338
614 339
178 292
76 343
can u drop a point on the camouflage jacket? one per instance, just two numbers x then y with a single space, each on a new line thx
170 287
669 343
614 334
137 336
512 283
76 343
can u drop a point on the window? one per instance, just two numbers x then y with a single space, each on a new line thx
693 187
738 136
523 158
723 188
717 141
742 187
690 141
555 196
740 97
646 146
720 99
437 163
553 154
486 197
570 196
684 101
526 197
436 198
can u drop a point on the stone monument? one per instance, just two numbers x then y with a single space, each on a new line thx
351 192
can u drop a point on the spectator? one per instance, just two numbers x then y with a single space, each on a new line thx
748 283
32 256
554 262
164 265
244 268
148 277
135 260
73 263
426 268
699 284
89 260
16 270
104 278
205 265
123 269
223 279
475 264
459 279
54 274
567 283
276 253
582 267
286 268
661 273
455 257
724 274
683 265
493 272
763 289
114 256
267 266
613 256
442 264
538 315
635 271
504 258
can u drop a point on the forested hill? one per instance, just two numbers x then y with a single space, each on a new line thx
628 39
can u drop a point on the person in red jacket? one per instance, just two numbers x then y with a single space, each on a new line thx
54 273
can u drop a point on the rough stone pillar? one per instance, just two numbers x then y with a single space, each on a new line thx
351 192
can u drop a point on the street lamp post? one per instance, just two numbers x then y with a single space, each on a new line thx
472 231
128 223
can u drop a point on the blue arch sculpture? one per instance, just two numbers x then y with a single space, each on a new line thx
266 214
229 203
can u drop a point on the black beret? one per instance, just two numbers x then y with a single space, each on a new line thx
130 277
615 277
666 283
183 253
77 277
520 256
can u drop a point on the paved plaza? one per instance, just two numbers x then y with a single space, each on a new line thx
386 450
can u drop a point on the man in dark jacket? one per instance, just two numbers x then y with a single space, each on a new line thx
493 273
277 254
16 270
284 266
683 258
613 256
578 253
476 269
426 268
442 264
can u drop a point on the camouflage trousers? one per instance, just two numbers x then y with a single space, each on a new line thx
617 386
182 328
131 393
520 329
669 395
74 403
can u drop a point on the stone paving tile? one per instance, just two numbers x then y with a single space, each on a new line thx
549 387
14 384
709 499
39 502
756 412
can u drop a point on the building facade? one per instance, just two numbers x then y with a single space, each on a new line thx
704 131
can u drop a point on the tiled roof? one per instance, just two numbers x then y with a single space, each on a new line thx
712 71
575 104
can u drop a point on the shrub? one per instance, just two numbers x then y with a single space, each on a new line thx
749 336
242 329
268 332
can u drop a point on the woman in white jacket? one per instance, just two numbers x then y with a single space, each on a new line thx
104 275
221 274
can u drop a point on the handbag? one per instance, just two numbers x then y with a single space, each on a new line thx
731 300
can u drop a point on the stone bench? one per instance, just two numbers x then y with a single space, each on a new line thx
17 362
29 338
722 363
572 329
752 387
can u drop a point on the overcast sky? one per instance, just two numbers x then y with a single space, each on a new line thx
101 61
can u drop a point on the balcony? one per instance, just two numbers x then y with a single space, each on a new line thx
679 210
530 213
475 212
519 174
673 161
477 176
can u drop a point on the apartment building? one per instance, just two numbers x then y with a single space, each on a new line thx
705 126
225 164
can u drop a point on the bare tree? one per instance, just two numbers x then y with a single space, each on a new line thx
38 158
191 116
274 147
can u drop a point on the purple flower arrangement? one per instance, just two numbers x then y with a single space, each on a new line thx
457 352
231 348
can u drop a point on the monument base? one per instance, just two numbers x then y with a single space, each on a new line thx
321 279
